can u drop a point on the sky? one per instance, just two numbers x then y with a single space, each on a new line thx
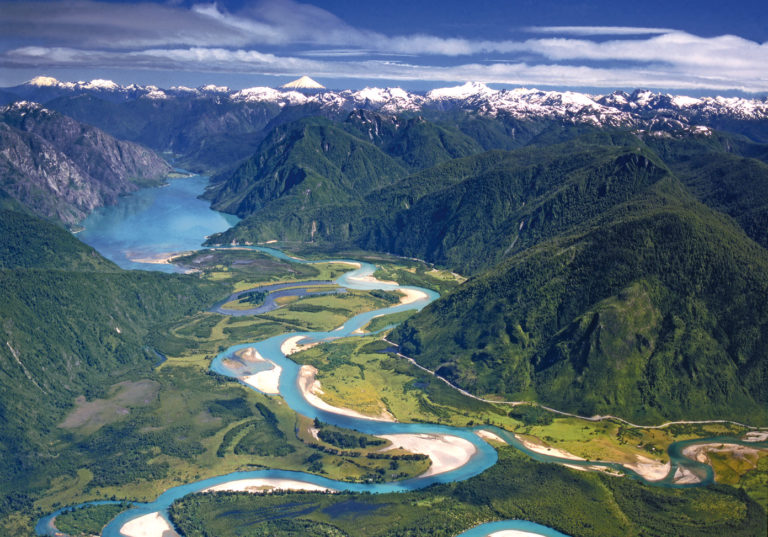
702 47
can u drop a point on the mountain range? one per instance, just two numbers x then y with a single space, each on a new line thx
641 108
615 244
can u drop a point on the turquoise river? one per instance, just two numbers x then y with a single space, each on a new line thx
154 222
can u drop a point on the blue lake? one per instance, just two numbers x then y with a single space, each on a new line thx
154 221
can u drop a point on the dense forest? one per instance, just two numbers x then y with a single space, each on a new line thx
579 504
73 323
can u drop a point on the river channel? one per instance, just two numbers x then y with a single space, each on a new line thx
154 222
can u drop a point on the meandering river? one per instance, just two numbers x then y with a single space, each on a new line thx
159 221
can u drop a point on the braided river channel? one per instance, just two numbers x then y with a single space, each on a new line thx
156 221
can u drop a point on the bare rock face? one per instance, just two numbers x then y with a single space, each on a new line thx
63 169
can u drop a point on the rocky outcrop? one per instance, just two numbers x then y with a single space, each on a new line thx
63 169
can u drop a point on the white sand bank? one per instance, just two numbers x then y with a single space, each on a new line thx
310 387
265 484
371 279
412 295
445 451
649 469
265 381
291 345
700 452
546 450
756 436
488 435
151 525
513 533
156 259
683 476
250 354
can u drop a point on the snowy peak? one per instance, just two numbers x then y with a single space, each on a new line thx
470 89
100 83
641 109
44 81
303 83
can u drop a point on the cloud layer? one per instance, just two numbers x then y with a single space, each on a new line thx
283 37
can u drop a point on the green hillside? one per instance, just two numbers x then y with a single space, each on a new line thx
72 324
305 164
655 309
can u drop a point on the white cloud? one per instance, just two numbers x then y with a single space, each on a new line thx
306 38
202 59
597 30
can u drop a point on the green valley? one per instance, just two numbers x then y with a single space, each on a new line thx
432 310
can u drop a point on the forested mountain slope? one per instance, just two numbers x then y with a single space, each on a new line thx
654 310
72 324
305 164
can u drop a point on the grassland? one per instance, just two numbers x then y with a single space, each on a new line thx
360 374
377 323
88 520
180 423
248 267
200 426
323 313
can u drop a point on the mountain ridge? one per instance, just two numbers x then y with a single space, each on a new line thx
63 169
619 108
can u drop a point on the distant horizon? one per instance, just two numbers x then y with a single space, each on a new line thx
662 45
276 82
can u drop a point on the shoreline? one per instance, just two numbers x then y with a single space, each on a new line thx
447 452
267 382
151 525
412 295
550 451
266 484
309 387
157 259
292 345
649 469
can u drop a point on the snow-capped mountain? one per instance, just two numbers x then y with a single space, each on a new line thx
641 109
303 83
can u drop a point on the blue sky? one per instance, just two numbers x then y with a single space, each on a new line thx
692 47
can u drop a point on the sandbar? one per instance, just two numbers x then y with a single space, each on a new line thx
700 452
649 469
488 435
446 452
310 387
370 279
756 436
546 450
265 381
250 354
514 533
155 259
151 525
291 345
412 295
683 476
265 485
